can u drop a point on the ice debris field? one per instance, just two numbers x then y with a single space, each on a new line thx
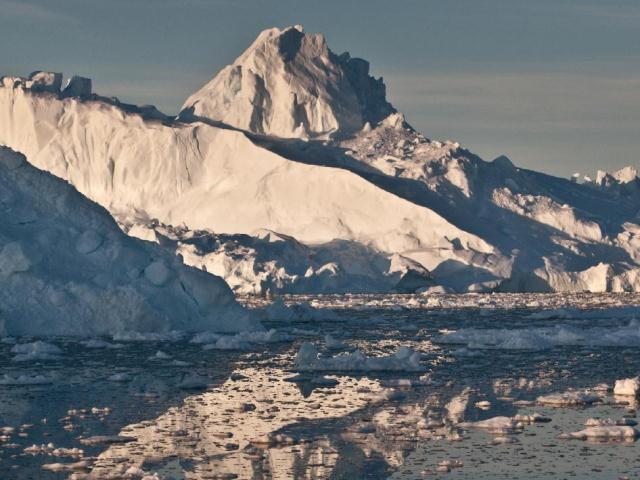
356 386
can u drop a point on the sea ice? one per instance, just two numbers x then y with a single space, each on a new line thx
25 380
67 269
500 425
568 399
606 432
627 387
404 360
544 338
37 350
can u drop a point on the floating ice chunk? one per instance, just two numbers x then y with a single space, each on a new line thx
627 387
40 449
37 350
544 338
601 422
465 352
334 344
98 343
570 398
160 355
120 377
501 425
532 418
457 406
178 363
606 432
240 341
446 466
496 339
67 467
205 337
503 440
50 449
228 342
405 359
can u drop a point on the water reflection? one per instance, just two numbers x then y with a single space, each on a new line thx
241 429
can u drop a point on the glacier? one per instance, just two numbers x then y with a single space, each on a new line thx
66 268
299 142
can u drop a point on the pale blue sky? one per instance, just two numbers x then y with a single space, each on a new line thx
553 84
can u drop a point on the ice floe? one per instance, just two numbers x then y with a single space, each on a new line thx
627 387
404 359
38 350
605 432
569 399
544 338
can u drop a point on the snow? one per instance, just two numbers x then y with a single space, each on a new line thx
403 360
67 269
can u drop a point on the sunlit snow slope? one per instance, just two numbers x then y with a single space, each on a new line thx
294 139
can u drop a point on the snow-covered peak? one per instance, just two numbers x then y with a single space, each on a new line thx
289 84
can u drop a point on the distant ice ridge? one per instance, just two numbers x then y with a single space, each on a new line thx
549 337
67 269
298 141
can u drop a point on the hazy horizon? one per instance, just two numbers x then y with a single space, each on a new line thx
554 85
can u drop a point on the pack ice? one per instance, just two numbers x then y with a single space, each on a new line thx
296 141
67 269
